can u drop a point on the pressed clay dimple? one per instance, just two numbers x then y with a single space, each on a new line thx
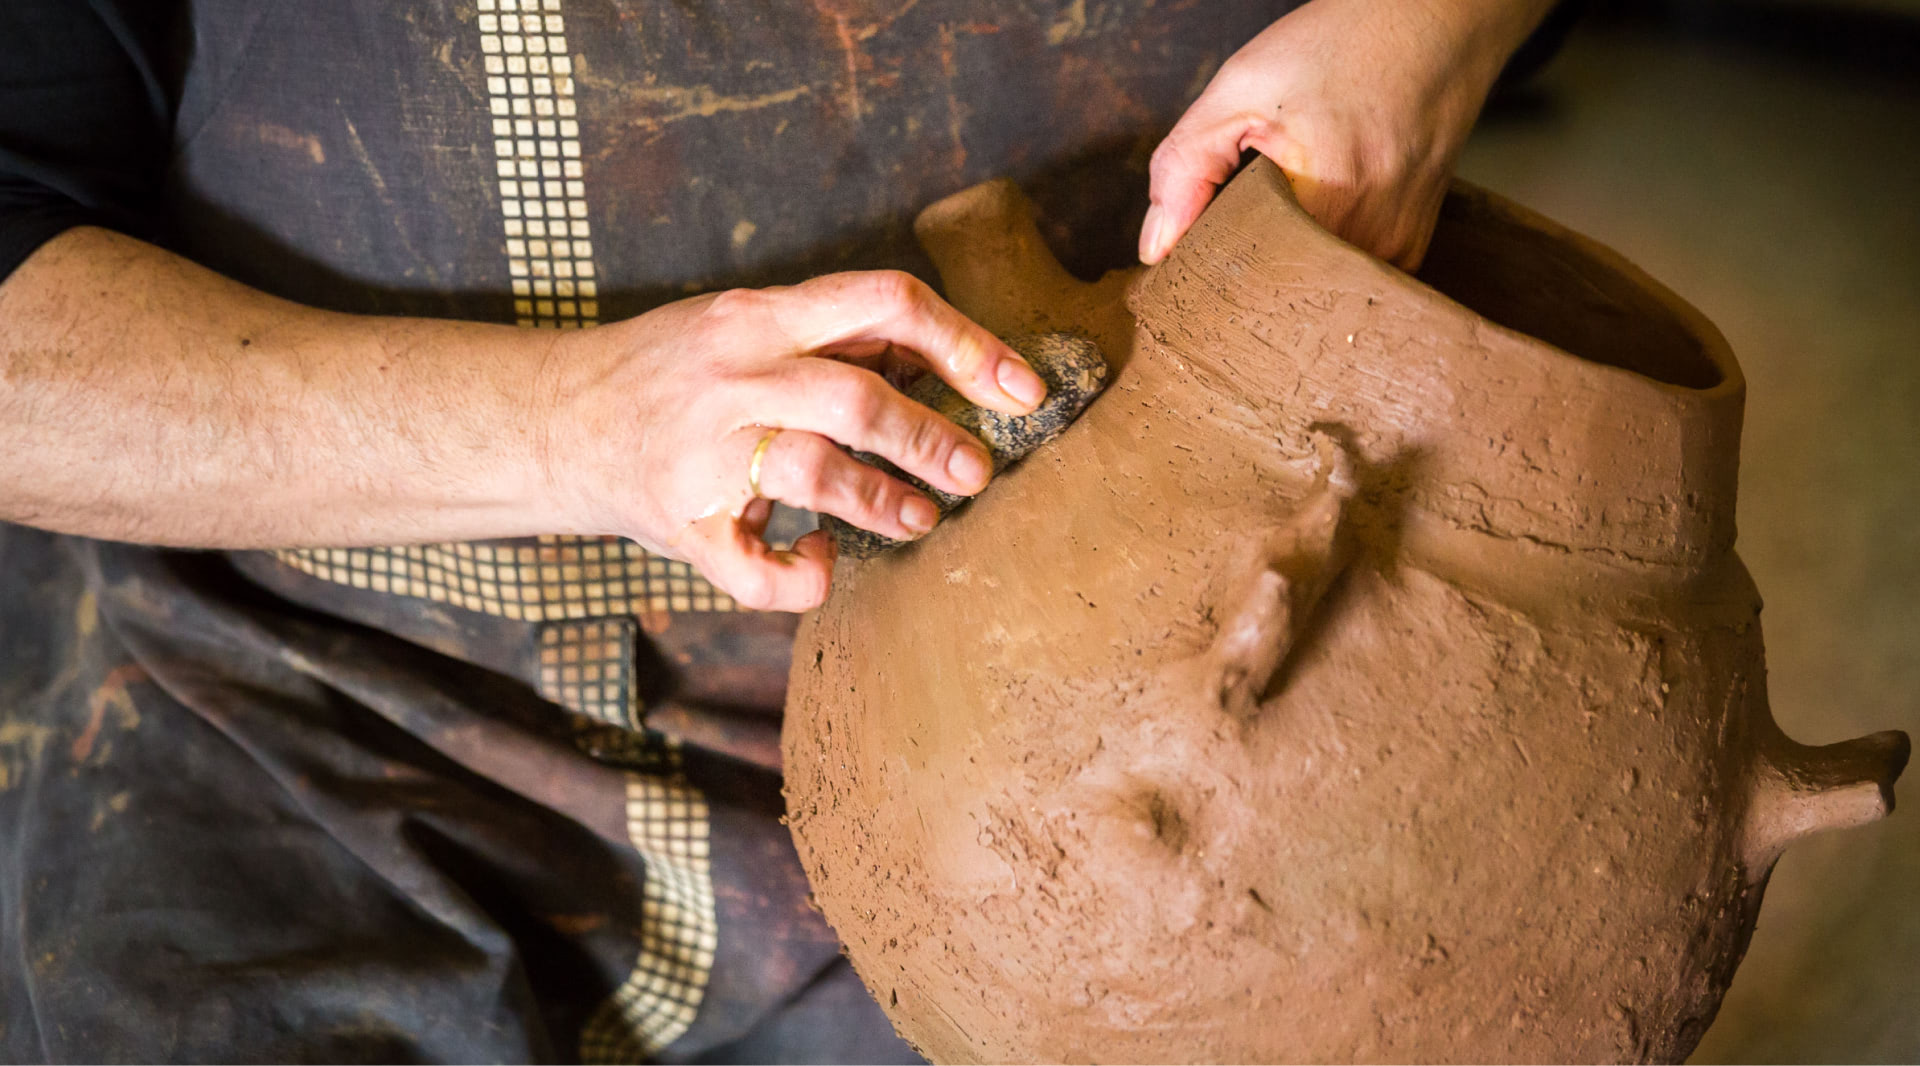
1367 675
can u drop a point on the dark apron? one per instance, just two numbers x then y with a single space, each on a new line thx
519 799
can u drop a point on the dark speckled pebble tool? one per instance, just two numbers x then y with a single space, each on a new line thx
1075 371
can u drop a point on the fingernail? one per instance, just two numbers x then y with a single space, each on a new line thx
918 514
1018 380
970 466
1151 235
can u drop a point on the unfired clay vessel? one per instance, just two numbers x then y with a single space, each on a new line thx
1367 675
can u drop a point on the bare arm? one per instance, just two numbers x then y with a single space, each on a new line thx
145 398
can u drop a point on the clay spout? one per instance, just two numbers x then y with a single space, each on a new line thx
1800 790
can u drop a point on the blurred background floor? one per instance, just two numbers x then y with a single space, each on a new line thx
1764 162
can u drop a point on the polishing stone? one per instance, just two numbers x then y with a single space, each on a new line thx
1074 371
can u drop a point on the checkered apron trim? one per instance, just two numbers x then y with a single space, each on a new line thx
581 592
546 579
667 822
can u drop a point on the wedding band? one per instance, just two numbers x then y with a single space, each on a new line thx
759 457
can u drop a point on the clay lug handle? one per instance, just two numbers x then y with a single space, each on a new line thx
1299 564
1800 791
991 257
1253 643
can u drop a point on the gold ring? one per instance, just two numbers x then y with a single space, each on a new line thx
759 457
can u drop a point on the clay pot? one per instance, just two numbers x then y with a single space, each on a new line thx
1368 674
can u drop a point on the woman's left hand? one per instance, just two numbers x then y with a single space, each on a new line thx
1363 104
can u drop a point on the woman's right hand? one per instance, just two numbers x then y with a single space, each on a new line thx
651 424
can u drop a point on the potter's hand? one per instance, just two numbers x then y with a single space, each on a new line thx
656 420
1363 104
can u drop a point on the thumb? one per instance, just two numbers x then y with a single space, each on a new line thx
730 553
1188 167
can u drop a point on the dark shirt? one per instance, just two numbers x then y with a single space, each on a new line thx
84 119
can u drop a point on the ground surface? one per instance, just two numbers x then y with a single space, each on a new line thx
1780 192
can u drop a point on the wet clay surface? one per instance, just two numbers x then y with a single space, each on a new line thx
1359 678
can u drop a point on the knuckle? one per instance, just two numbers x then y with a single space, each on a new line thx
1261 130
853 401
813 465
898 290
724 317
1188 156
925 441
867 494
1167 157
732 303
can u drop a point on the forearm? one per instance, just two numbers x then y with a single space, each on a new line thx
144 398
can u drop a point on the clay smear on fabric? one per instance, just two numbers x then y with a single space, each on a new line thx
1367 674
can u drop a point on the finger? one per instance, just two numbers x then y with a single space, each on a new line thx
759 578
850 311
809 471
1422 222
755 516
817 545
1202 151
896 365
872 354
1189 165
860 410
